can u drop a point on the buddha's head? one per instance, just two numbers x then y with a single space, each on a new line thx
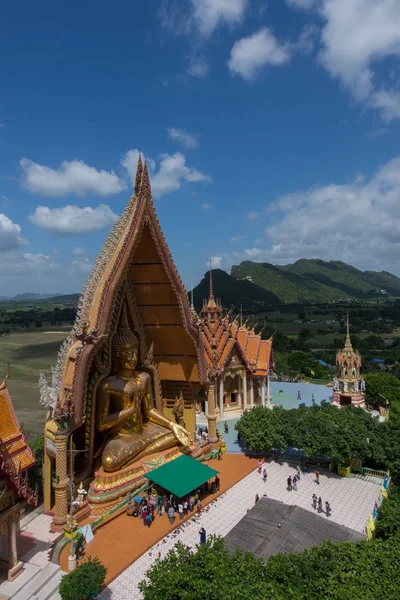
125 347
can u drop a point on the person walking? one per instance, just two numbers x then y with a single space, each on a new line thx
217 483
314 501
171 515
295 483
259 466
256 499
265 475
180 510
199 506
327 508
203 536
319 504
317 477
298 471
219 454
289 484
148 519
191 503
185 507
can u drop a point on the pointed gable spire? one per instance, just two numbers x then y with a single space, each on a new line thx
145 187
139 171
211 296
348 340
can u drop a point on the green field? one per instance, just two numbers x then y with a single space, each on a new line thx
29 354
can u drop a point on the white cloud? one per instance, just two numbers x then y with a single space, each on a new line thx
358 223
205 206
250 54
172 173
216 262
253 252
189 140
10 234
72 220
207 15
252 215
356 37
237 238
78 251
74 177
198 67
82 267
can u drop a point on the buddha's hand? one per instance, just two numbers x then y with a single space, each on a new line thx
181 435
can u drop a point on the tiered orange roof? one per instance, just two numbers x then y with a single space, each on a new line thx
15 454
221 337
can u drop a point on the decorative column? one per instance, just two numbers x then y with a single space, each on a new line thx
239 391
221 397
62 482
262 383
212 416
268 392
251 392
245 391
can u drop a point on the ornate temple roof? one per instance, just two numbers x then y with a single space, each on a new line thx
15 455
348 356
135 254
222 337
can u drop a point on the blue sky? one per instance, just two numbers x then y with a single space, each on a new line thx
271 130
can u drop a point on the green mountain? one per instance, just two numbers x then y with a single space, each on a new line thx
317 280
232 292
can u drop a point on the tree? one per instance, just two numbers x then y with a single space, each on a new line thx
388 386
334 571
85 582
35 474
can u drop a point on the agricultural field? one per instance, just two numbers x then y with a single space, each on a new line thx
29 354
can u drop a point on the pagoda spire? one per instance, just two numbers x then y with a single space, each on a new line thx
211 296
139 171
348 340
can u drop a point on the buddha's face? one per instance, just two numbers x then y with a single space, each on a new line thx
127 358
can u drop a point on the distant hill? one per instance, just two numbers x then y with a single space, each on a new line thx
317 280
32 297
66 298
232 292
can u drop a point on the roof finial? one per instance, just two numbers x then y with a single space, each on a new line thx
4 384
348 340
211 297
139 170
145 187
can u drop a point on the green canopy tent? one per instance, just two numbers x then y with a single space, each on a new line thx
181 476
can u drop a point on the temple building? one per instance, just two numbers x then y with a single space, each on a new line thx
348 385
134 349
15 460
238 361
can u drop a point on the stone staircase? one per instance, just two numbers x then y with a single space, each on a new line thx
35 583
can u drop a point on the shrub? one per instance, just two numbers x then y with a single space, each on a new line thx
84 582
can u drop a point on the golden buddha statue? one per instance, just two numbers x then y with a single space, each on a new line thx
126 410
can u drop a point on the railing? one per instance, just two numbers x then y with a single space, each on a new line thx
374 472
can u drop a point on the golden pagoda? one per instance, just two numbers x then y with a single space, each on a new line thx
238 362
15 460
348 385
133 349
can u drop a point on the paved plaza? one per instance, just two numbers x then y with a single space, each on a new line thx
352 500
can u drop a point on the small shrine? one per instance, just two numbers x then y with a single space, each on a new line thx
238 362
15 460
122 397
348 385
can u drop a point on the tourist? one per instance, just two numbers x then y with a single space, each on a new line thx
319 504
191 503
327 508
226 428
260 465
308 467
313 398
314 501
265 474
298 471
289 484
199 506
256 499
171 515
203 536
148 519
299 395
180 510
144 513
295 483
217 483
185 507
219 454
317 476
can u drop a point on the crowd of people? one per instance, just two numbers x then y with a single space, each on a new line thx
166 503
